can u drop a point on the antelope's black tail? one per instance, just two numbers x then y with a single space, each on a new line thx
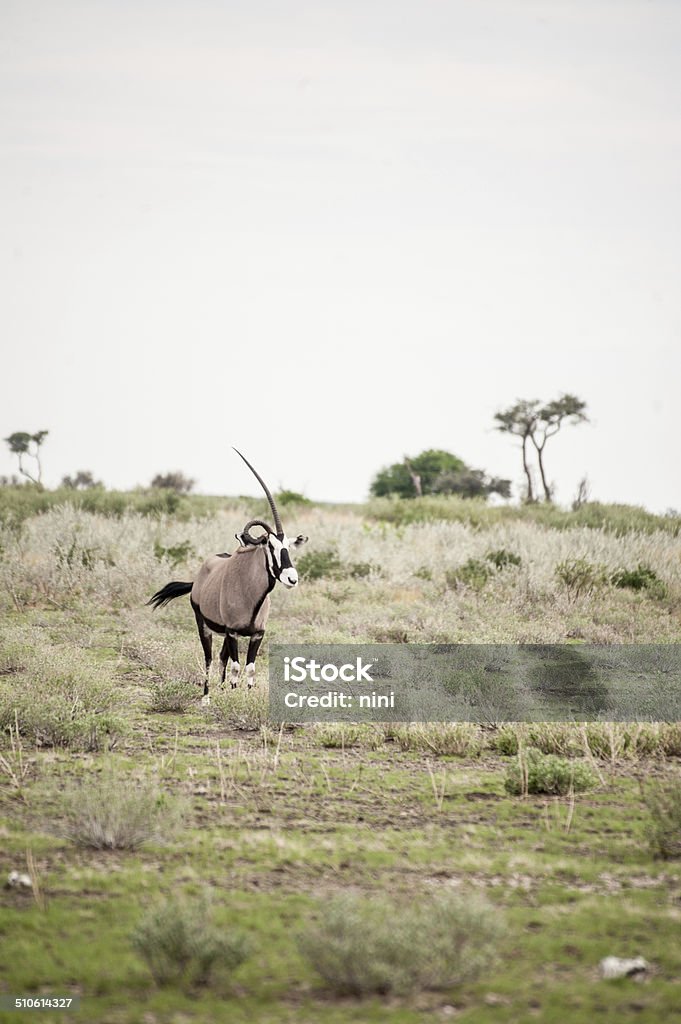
169 593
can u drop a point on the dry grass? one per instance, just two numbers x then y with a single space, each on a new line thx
663 801
56 696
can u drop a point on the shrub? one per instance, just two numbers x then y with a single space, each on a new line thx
177 554
172 695
640 578
316 565
670 739
502 558
364 946
663 800
175 481
505 740
287 497
241 708
359 570
580 577
473 573
534 772
114 813
182 945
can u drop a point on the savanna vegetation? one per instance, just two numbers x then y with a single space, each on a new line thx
188 863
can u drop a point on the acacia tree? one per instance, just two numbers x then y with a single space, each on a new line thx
566 409
521 421
28 445
536 423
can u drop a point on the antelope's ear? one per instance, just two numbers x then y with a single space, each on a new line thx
299 541
241 541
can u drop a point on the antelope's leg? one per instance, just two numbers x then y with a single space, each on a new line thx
224 658
232 645
206 638
253 648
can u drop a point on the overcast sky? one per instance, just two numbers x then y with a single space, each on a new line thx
335 232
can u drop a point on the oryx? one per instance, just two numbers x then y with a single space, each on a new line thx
231 593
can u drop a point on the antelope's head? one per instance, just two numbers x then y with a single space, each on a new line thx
277 545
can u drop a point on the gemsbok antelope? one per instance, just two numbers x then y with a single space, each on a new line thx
231 593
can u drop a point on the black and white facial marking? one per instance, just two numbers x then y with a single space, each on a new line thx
277 550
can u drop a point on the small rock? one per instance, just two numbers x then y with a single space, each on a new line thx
19 880
620 967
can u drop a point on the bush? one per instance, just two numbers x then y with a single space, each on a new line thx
182 945
175 481
640 578
286 497
505 740
502 558
535 772
580 577
316 565
474 573
360 570
663 800
172 695
670 739
114 813
364 946
177 554
241 708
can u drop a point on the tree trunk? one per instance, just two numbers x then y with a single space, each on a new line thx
530 490
415 479
540 459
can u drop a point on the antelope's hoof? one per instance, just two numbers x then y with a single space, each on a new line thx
234 686
205 700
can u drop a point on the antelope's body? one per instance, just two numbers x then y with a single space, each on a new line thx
231 593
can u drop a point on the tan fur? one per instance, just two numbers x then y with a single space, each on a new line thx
227 590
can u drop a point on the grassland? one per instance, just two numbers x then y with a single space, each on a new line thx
275 823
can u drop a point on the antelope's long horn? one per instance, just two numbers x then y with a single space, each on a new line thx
246 532
277 521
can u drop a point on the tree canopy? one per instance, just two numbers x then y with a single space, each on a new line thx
23 444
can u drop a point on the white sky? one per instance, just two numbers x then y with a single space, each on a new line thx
335 232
